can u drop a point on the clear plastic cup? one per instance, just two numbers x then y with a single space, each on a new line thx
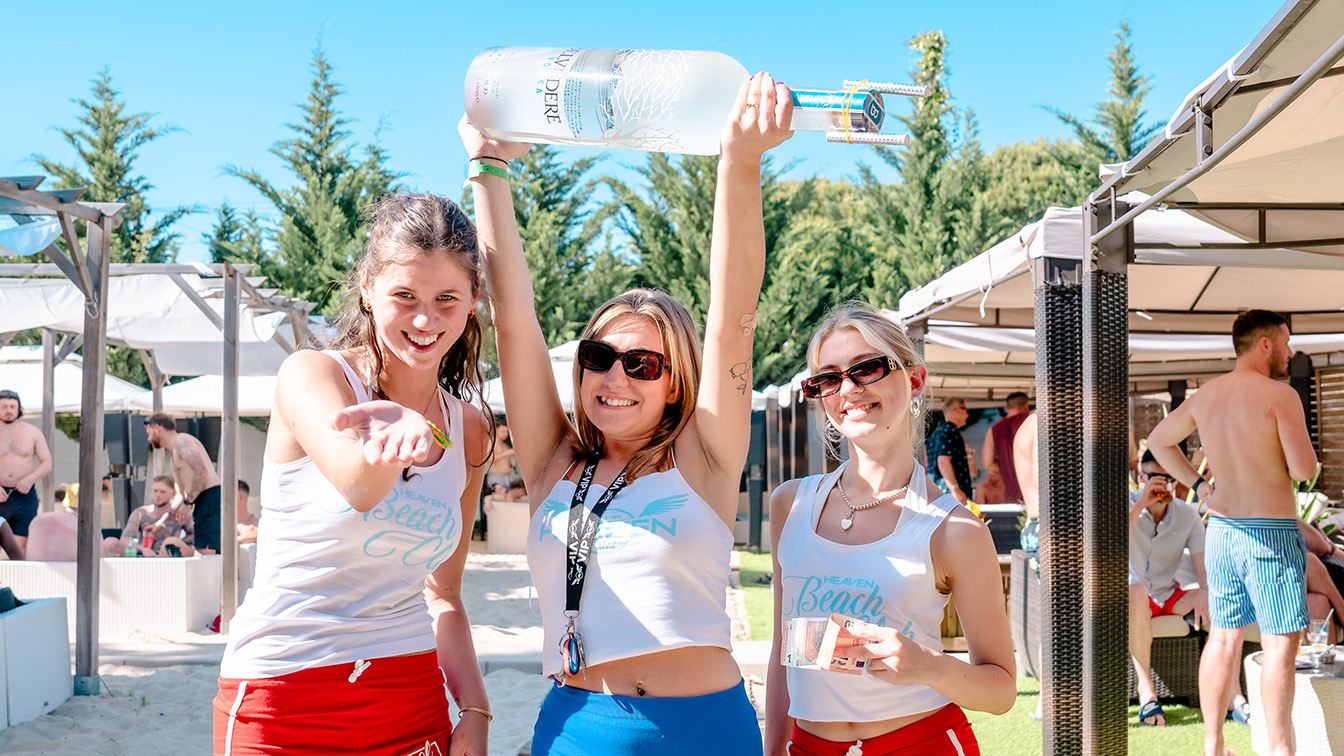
1315 639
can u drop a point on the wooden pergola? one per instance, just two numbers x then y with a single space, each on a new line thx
88 266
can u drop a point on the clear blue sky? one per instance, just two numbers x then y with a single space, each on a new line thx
231 74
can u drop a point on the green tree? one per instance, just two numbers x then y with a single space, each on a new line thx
670 223
239 238
927 222
107 143
1025 178
559 227
822 258
1120 131
320 233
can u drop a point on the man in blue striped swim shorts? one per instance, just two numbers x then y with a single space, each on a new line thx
1254 432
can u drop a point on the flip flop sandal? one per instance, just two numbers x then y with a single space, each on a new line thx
1241 714
1151 711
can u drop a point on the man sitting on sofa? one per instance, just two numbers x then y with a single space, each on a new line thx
1161 529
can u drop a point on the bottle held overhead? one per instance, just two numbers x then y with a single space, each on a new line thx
652 100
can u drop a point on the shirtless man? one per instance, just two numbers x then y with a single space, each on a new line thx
196 478
502 463
24 460
1254 432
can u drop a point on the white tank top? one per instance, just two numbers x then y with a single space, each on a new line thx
889 582
333 585
657 576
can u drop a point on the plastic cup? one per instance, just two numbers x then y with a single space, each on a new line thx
1315 640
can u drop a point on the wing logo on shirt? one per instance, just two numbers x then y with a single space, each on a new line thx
620 525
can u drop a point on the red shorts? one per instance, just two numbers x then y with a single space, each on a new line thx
943 733
395 707
1168 606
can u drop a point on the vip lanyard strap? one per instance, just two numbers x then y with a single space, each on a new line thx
583 532
578 547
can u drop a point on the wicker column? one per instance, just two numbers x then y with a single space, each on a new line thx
1059 404
1105 482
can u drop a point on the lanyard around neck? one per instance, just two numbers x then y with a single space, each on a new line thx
583 532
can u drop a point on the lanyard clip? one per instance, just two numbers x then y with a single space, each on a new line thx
571 648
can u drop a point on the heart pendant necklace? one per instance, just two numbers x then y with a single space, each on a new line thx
848 521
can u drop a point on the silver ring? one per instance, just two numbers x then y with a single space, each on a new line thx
751 104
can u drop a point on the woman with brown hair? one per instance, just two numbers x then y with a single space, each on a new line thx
634 503
374 460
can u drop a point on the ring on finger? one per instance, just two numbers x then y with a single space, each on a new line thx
751 104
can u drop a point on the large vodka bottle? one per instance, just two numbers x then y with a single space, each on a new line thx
653 100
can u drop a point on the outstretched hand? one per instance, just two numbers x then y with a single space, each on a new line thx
480 145
762 118
392 434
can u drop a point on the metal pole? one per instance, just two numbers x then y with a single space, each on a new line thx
1059 404
228 452
917 332
90 540
48 487
1105 594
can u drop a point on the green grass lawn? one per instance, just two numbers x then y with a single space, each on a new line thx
760 603
1016 733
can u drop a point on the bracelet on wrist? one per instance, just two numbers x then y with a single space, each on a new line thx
476 168
491 157
1198 482
486 712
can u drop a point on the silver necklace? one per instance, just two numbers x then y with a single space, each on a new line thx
848 520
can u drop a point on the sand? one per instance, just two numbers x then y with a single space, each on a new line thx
147 707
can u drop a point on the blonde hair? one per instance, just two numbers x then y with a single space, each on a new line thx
681 347
880 333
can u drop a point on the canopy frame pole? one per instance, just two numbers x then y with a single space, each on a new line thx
228 450
89 542
1059 404
918 331
48 488
1105 536
158 462
1252 127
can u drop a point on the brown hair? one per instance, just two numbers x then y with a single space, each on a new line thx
880 333
1251 325
163 420
416 224
681 347
166 480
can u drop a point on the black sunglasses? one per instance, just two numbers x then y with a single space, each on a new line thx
1168 478
640 364
862 373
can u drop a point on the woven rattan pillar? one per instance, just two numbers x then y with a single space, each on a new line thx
1059 404
916 332
1105 482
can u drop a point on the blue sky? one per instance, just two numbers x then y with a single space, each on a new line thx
231 74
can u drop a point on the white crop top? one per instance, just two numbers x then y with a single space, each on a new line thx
334 585
657 575
888 582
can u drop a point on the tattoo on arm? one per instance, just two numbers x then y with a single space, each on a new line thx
741 372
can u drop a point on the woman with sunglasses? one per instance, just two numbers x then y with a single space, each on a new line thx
630 537
876 541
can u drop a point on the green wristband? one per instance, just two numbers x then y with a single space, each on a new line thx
476 168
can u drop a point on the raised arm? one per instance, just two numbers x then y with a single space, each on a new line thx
529 386
721 425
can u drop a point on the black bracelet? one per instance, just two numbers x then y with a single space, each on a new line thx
490 157
1198 481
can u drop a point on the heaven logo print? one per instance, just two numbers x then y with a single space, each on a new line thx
656 518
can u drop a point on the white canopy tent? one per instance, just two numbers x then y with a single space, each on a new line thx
21 371
202 396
